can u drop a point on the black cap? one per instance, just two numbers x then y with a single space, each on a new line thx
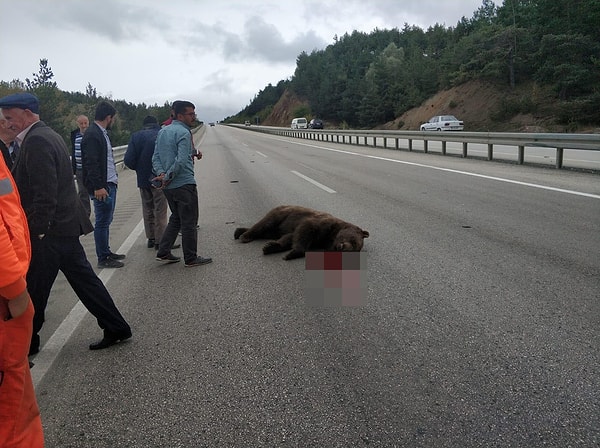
150 120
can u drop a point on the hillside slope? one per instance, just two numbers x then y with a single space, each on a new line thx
482 106
486 107
283 111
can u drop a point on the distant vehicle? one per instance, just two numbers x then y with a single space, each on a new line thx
316 123
211 124
443 123
247 123
299 123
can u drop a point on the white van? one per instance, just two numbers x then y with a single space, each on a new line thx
299 123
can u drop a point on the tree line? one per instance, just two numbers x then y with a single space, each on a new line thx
59 109
366 79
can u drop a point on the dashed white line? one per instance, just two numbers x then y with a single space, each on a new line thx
314 182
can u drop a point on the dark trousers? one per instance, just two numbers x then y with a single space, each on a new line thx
183 202
52 253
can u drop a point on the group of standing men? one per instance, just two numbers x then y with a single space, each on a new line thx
42 217
164 162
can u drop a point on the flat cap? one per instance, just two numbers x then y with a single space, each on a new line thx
22 101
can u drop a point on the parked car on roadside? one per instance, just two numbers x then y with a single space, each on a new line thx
299 123
443 123
316 123
247 123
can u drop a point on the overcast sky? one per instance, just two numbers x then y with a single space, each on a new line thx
218 54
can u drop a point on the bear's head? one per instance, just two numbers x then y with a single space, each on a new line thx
350 239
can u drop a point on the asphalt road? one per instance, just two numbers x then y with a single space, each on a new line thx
480 326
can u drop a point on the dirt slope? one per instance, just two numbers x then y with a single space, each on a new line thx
283 112
476 103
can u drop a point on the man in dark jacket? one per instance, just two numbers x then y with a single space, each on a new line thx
100 178
56 220
139 158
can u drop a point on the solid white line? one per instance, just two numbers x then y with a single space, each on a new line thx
465 173
45 358
261 154
314 182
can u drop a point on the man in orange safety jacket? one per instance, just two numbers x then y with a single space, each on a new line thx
20 423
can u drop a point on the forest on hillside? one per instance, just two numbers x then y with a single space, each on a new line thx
59 109
364 80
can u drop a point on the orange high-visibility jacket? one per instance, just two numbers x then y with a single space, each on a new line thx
20 424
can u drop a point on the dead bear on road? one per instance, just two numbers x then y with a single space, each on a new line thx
300 229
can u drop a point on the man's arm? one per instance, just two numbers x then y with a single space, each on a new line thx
132 154
184 148
41 165
13 287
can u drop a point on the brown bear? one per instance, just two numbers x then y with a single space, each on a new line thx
302 229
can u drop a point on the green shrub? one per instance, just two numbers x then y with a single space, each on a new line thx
301 111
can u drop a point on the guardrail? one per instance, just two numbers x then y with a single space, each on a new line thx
559 142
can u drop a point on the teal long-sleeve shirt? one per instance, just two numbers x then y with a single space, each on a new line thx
173 155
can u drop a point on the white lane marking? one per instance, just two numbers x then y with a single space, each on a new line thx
465 173
314 182
45 358
261 154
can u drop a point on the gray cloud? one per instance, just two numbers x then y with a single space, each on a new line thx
266 42
257 41
112 19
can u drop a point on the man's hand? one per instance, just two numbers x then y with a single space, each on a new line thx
160 181
18 305
101 194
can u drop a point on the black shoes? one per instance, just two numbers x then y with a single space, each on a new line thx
116 256
198 262
151 244
110 263
110 339
169 258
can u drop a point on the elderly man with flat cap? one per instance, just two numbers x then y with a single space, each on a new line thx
44 178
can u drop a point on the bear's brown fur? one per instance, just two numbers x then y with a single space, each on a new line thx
301 229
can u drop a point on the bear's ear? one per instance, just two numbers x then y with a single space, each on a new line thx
365 234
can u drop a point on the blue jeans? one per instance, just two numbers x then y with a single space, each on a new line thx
104 210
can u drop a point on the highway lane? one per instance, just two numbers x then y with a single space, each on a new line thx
480 326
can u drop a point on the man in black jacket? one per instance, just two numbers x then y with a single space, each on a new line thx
76 135
100 178
56 220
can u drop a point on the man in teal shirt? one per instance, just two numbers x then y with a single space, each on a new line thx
173 164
